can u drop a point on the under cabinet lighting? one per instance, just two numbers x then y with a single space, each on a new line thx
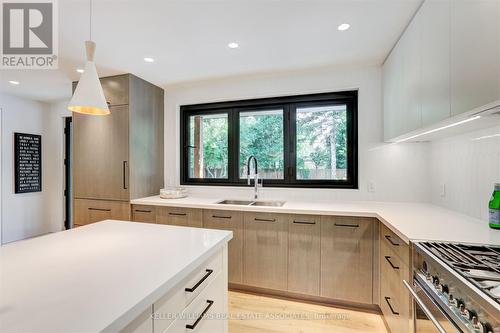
486 137
147 59
233 45
343 26
439 129
79 70
15 83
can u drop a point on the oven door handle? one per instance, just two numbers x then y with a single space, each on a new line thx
424 308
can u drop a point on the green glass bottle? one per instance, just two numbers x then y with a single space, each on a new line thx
495 208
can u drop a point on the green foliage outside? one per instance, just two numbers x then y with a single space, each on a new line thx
262 136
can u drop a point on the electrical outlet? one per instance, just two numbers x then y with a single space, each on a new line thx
371 186
442 190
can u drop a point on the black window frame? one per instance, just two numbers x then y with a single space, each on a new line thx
289 105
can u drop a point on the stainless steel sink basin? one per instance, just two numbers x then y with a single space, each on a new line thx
235 202
268 203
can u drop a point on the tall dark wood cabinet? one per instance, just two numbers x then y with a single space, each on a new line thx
118 157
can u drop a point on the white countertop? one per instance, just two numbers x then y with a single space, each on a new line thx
97 277
411 221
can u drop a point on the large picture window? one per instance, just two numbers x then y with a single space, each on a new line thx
298 141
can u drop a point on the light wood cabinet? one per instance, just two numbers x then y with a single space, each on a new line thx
116 89
229 220
143 213
120 156
475 61
395 300
304 254
265 250
184 217
347 258
101 155
91 211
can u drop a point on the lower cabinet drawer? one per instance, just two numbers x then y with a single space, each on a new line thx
141 213
394 300
185 217
168 308
202 315
88 211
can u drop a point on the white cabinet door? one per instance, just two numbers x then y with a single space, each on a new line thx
411 46
474 54
402 83
392 82
435 53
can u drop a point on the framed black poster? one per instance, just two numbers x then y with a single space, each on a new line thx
28 162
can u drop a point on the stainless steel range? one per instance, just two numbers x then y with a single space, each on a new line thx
456 287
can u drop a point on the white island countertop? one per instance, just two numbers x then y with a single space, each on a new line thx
410 221
98 277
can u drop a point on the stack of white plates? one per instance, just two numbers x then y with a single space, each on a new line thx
173 193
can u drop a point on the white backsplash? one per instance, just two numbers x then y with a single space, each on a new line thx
467 166
397 172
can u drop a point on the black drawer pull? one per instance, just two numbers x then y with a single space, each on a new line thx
388 258
347 225
264 220
221 217
100 209
303 222
387 299
142 211
190 290
193 326
389 238
177 214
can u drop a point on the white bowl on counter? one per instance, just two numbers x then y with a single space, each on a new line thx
173 193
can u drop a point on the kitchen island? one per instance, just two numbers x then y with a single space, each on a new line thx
107 276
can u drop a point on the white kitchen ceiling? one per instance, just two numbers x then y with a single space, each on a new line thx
188 40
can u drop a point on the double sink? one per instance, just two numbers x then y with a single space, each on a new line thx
252 203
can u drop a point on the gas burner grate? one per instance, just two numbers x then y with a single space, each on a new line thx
476 263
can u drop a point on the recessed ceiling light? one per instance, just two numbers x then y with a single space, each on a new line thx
233 45
79 70
343 26
15 83
147 59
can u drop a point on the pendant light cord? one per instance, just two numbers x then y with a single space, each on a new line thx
90 19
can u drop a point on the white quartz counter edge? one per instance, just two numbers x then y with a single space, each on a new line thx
121 322
410 221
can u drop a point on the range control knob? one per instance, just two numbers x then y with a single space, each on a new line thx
453 301
487 328
463 311
476 324
435 280
445 288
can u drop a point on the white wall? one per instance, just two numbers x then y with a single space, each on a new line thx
31 214
468 168
399 172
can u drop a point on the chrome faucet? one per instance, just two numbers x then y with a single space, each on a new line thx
256 176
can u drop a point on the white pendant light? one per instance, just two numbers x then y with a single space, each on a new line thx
89 97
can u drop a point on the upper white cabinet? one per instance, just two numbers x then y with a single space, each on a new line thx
474 54
435 16
410 45
447 62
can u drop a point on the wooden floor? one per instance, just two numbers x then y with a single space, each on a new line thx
252 313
